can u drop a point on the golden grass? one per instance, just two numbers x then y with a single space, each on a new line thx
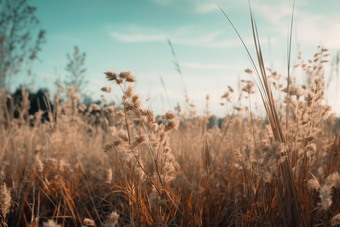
120 166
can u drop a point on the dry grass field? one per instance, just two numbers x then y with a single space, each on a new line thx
121 166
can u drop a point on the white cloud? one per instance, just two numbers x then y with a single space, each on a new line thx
230 43
204 39
310 28
278 14
137 37
198 6
196 65
184 35
318 30
206 8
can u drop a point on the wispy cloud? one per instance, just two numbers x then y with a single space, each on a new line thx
137 37
278 14
184 35
206 8
196 65
204 39
197 6
230 43
317 30
310 28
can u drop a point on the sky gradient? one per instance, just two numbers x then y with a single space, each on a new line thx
132 35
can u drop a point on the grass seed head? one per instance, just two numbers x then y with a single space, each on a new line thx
117 143
171 124
5 200
112 220
136 102
111 75
129 91
169 115
249 71
89 222
335 220
126 75
122 134
106 89
313 184
149 116
120 116
231 89
249 87
128 106
107 148
50 223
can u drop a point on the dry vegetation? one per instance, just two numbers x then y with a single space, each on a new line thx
120 166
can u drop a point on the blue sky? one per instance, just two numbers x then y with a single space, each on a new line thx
132 35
